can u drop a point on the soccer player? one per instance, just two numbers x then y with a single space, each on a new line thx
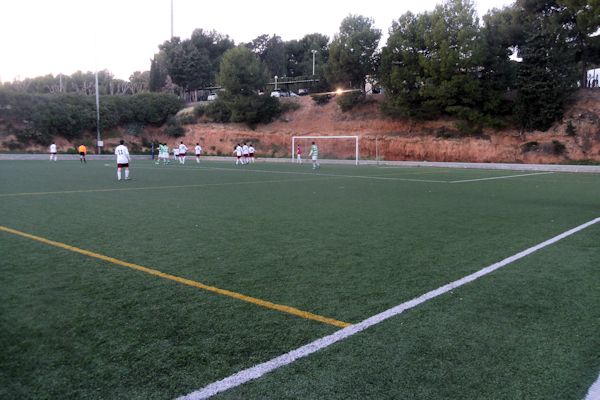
299 154
182 150
238 152
82 152
163 154
314 153
251 152
122 160
176 153
198 151
246 153
53 152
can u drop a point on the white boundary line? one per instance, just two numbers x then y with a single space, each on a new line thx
387 178
500 177
261 369
594 391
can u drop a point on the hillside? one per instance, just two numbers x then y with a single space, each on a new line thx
400 139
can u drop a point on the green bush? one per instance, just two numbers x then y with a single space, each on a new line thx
218 111
321 99
558 148
287 106
347 101
199 110
174 128
70 115
571 131
530 146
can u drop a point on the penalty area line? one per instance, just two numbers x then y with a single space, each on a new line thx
264 368
500 177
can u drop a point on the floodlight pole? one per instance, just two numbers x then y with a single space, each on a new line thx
313 53
98 140
275 82
171 19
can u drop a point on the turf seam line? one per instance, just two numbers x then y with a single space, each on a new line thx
594 390
259 370
185 281
500 177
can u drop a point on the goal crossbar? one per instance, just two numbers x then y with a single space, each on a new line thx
327 137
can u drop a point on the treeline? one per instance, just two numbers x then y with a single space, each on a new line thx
38 118
519 65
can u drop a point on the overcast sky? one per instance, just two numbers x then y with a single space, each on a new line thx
40 37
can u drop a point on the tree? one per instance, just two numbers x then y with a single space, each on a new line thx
352 52
547 74
432 63
300 57
194 63
584 20
272 52
241 75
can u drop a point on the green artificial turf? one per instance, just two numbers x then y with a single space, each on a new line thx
343 242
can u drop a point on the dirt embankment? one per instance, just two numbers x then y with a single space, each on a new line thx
575 138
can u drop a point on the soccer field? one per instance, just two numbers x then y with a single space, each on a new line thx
161 286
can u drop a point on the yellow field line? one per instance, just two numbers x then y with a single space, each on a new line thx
224 292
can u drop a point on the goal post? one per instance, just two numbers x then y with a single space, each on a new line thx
296 139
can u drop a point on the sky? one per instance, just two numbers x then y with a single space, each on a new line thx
41 37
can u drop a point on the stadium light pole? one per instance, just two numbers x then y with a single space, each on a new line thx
98 139
171 19
313 53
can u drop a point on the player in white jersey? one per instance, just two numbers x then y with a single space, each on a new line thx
176 153
246 153
251 152
122 160
53 152
238 153
198 151
314 153
182 150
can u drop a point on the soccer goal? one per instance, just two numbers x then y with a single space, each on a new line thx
330 147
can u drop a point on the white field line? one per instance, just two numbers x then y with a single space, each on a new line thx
200 185
321 174
261 369
594 391
500 177
241 169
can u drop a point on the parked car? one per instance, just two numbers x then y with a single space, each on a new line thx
302 92
212 97
279 93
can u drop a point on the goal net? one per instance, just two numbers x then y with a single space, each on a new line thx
330 147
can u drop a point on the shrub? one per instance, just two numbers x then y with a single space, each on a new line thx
287 106
218 111
174 128
531 146
571 131
186 119
558 148
199 110
347 101
321 99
